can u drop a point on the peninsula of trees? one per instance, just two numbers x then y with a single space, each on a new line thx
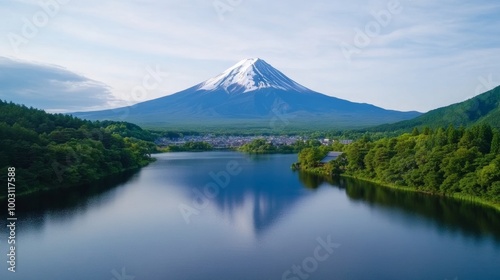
51 151
462 162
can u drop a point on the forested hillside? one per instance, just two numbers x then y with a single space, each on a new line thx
55 150
461 162
481 109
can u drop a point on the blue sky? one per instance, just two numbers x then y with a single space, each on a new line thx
405 55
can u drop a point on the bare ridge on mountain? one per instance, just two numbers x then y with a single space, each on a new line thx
251 94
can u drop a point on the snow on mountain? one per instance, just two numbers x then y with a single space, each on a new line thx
251 94
249 75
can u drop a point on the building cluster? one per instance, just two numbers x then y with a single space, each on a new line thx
226 141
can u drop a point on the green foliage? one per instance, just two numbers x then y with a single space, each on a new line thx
357 152
189 147
463 161
495 143
261 146
482 109
56 150
337 166
452 161
127 130
310 157
310 160
258 146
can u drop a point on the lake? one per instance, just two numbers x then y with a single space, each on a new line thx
227 215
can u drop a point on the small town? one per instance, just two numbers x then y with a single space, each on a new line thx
229 142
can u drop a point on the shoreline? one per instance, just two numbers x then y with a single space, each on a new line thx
455 196
75 187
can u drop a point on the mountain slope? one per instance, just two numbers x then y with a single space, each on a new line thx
484 108
251 94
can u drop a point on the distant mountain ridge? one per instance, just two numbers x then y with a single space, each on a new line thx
251 94
483 108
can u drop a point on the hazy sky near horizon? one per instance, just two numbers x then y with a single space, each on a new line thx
65 55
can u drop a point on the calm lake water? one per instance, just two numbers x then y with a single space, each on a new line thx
226 215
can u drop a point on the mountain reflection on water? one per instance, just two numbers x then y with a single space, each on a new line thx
259 197
446 213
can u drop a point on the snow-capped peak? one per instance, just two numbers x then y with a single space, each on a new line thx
249 75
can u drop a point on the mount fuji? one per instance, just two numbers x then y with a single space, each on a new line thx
250 75
251 94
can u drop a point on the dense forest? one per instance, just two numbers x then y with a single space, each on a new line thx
55 150
462 162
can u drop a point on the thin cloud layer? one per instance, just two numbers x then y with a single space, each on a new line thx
50 87
427 54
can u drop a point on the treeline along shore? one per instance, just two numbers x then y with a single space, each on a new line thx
50 151
458 162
